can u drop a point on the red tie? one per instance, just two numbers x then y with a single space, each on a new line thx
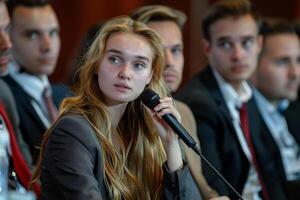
20 165
53 113
245 127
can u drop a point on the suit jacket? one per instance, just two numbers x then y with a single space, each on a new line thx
293 120
219 142
271 154
31 125
72 166
6 97
266 154
17 162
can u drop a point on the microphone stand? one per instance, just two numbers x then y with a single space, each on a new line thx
198 151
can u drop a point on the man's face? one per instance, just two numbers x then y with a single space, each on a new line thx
173 46
278 72
233 48
35 38
5 43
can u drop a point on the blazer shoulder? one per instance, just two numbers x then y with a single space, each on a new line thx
7 99
76 126
5 93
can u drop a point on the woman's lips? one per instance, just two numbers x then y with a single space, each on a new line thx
122 87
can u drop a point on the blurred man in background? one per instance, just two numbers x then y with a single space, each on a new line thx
277 81
36 45
219 98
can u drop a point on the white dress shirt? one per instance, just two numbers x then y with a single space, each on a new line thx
276 123
4 135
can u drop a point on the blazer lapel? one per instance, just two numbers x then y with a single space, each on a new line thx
24 100
212 86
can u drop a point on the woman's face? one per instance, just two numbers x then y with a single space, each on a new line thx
126 67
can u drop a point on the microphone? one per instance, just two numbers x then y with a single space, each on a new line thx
151 99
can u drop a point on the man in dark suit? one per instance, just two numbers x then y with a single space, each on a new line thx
277 81
36 46
219 98
17 150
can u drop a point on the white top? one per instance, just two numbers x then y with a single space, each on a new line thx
234 101
276 123
4 136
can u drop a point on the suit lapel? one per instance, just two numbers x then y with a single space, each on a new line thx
208 79
265 145
24 100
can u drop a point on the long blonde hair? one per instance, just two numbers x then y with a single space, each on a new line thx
135 171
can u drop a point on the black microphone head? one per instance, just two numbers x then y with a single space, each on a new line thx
150 98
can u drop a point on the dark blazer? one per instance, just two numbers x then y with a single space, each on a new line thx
219 142
31 125
271 154
292 115
72 166
6 97
267 154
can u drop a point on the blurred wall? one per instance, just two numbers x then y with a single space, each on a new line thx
77 16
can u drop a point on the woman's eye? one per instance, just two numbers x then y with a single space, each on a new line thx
140 66
115 60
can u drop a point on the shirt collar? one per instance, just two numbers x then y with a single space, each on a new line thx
32 84
229 93
283 105
268 106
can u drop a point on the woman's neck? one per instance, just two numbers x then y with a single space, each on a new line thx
116 112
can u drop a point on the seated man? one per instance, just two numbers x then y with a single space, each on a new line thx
277 81
16 148
36 45
220 98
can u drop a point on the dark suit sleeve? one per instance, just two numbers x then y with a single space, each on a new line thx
209 132
10 107
180 184
72 163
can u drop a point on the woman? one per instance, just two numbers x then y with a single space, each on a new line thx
106 143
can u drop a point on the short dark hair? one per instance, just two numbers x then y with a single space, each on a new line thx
227 8
275 26
272 26
12 4
157 13
297 27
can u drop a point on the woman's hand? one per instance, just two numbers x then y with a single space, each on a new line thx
167 135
